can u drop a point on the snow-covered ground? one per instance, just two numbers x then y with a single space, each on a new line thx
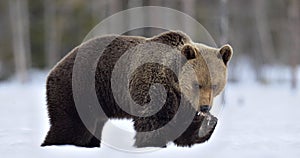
257 121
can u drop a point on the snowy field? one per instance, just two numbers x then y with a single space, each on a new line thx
257 121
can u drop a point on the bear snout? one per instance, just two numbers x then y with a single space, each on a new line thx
204 108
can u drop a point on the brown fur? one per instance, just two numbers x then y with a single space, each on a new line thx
66 125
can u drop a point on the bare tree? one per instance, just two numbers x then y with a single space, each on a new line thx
152 18
265 38
188 7
98 12
19 19
134 20
223 32
293 27
51 34
169 19
224 22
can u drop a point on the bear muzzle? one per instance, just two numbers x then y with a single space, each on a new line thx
204 108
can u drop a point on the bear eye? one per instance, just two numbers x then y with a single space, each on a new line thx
214 87
197 86
200 86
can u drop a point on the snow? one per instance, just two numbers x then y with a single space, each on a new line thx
257 121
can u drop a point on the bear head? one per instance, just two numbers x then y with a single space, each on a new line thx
208 65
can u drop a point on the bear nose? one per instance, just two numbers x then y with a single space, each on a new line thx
204 108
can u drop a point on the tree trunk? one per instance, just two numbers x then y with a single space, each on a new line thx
134 20
19 19
97 10
113 6
265 37
152 18
188 7
224 34
263 30
51 39
224 23
293 27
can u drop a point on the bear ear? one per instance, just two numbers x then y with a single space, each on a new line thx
189 52
226 53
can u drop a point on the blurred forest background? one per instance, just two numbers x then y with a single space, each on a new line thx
35 34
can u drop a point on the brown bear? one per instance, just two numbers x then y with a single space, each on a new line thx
186 102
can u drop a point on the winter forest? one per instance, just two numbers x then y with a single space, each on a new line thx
259 109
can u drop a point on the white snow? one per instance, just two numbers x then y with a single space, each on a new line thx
257 121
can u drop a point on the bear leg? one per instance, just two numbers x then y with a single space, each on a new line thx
191 135
71 133
147 135
150 140
96 139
